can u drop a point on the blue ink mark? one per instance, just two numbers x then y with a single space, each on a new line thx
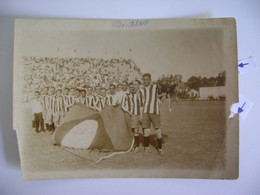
241 65
132 23
240 109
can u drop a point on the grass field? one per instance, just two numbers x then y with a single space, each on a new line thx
193 132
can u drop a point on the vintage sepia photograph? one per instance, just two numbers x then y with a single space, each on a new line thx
126 98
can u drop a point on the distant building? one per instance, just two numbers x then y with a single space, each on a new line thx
212 92
193 93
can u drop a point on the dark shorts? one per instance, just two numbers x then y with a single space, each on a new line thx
151 118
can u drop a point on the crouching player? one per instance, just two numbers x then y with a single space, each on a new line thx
151 113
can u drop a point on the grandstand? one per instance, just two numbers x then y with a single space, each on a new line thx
40 72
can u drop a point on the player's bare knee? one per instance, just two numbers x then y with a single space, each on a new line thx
146 132
158 133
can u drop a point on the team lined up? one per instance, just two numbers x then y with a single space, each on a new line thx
139 102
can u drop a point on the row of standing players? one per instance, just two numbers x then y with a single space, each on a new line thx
138 103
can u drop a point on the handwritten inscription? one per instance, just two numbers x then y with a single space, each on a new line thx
131 24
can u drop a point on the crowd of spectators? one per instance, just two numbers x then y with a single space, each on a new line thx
40 72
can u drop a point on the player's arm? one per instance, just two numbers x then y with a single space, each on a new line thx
159 95
63 105
66 103
92 103
53 104
125 105
98 105
141 112
141 103
71 101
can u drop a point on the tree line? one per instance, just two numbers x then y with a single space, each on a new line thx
174 83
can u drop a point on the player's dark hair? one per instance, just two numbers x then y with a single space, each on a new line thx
137 81
125 82
147 75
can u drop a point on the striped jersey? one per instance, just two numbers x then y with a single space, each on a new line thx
150 99
109 99
68 101
59 104
136 103
126 103
48 101
72 100
45 102
100 103
83 100
90 101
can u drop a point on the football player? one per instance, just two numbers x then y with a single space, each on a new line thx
59 108
151 113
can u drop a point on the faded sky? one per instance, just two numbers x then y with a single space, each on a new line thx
187 52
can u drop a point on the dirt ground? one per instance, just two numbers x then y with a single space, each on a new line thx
193 136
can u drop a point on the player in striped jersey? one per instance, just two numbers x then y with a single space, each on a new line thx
90 99
77 98
59 108
49 109
136 111
67 99
138 92
126 103
151 113
44 98
126 106
110 95
97 90
72 96
101 100
96 93
83 96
